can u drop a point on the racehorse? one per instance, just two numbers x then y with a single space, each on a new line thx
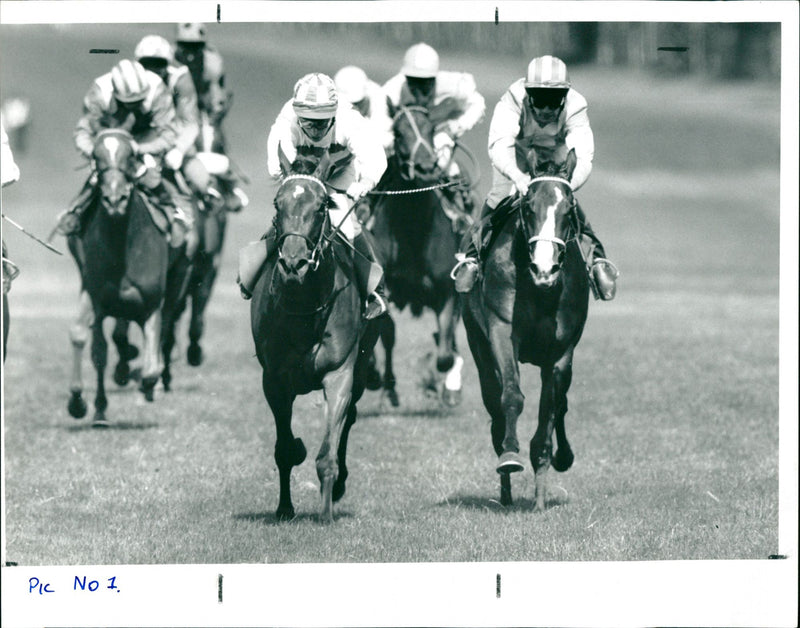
416 242
308 329
211 214
122 257
530 306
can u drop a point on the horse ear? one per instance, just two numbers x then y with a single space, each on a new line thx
286 165
324 167
390 108
445 110
570 163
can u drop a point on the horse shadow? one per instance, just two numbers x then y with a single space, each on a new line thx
483 503
271 519
121 426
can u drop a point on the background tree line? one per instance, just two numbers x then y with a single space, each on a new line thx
718 50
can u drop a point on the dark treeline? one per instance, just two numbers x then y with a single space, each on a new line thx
718 50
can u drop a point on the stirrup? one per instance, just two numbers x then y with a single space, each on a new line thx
462 260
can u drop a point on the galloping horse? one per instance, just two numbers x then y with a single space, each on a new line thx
211 216
122 257
530 307
416 242
308 330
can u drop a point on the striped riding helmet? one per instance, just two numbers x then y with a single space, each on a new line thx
129 80
154 47
547 72
315 97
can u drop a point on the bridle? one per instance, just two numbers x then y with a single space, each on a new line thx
561 244
419 140
316 247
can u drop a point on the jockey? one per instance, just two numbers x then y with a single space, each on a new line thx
540 111
207 70
366 97
420 82
314 117
155 54
205 65
131 98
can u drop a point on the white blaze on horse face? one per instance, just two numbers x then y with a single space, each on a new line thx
112 145
545 250
298 190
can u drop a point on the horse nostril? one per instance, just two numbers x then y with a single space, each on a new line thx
301 263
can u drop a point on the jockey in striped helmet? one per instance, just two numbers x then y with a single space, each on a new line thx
540 111
315 118
131 98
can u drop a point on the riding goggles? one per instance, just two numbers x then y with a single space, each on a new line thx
545 98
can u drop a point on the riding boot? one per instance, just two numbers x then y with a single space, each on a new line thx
465 272
370 277
252 257
602 272
71 221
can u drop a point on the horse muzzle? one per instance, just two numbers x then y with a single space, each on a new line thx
545 279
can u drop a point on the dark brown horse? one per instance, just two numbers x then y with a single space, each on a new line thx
211 216
416 242
530 306
122 257
309 332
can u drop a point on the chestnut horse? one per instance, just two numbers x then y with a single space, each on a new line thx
530 306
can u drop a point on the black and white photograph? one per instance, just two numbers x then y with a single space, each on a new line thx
399 313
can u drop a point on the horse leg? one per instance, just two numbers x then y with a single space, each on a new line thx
151 362
491 393
201 294
78 335
125 350
388 337
448 319
445 336
289 451
174 303
552 404
337 387
511 397
341 455
100 361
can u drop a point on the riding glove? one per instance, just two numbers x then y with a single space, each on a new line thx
443 144
174 159
358 189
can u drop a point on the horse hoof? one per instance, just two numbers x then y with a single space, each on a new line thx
393 398
284 513
194 354
166 379
339 486
451 398
148 387
76 406
372 381
510 462
122 374
100 421
563 459
445 363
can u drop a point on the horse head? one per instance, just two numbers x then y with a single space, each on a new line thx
546 212
114 161
301 206
413 128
